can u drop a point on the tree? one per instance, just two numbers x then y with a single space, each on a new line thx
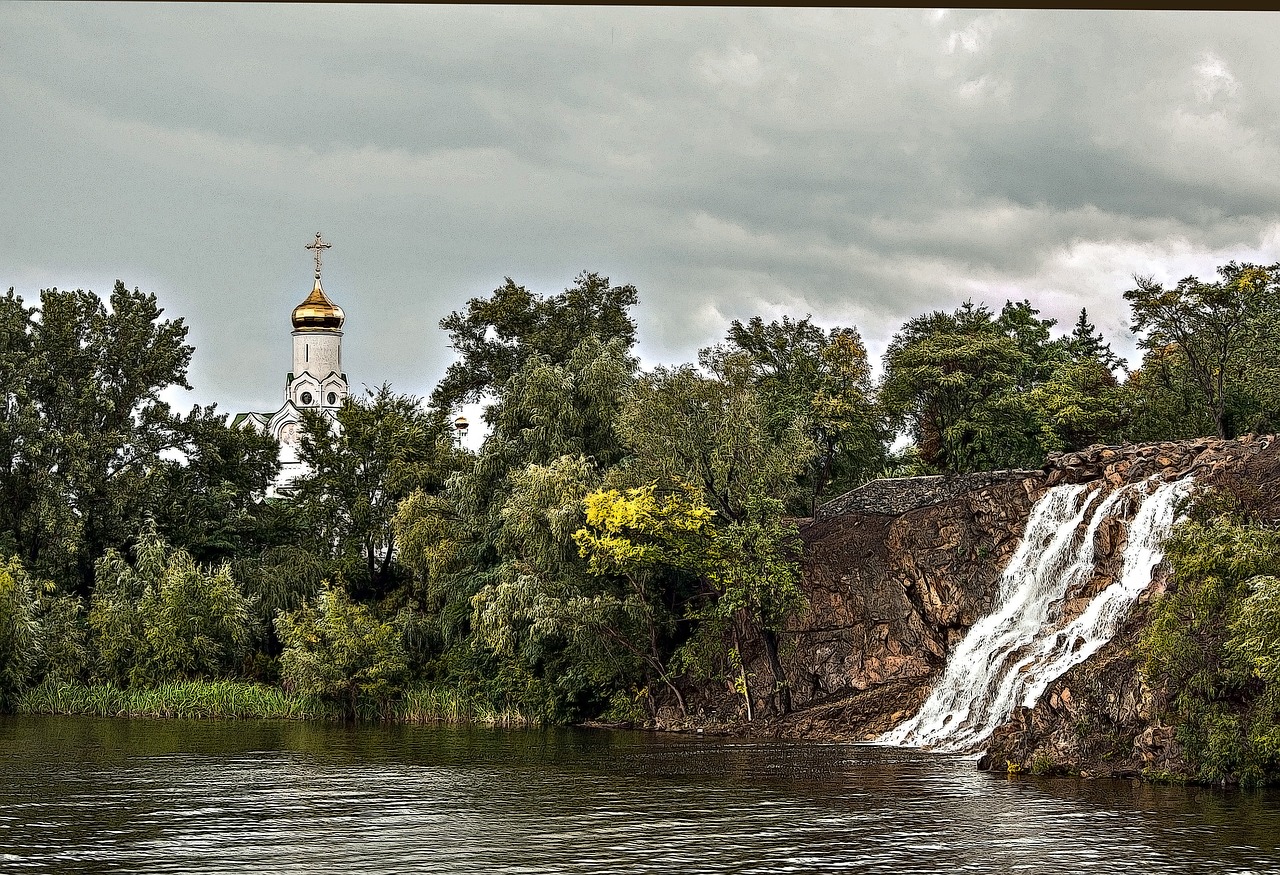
210 501
495 337
1256 629
338 650
980 391
1211 325
88 450
1163 401
683 427
1086 343
528 609
545 412
380 449
953 380
19 632
800 371
1209 651
167 618
644 542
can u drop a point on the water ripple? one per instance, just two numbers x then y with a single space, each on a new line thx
171 797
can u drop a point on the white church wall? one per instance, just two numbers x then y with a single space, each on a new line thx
317 352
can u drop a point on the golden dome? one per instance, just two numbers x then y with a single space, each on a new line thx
318 312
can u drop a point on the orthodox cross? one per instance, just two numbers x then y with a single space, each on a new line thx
319 246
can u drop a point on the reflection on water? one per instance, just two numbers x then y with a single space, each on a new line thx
85 795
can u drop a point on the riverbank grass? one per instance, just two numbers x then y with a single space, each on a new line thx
449 704
246 700
226 699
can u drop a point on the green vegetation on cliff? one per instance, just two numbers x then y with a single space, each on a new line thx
1213 645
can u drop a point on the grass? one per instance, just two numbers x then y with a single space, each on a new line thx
445 704
225 699
233 700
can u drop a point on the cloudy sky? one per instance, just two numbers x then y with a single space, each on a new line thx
861 166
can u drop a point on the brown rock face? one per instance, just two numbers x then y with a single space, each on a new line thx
891 591
890 595
1100 718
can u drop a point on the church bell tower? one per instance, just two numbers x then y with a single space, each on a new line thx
317 380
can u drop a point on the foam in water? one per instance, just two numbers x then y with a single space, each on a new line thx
1010 657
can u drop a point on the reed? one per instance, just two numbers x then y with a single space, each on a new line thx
441 703
232 700
224 699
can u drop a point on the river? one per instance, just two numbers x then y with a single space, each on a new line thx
92 795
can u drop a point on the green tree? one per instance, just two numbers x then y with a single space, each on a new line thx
980 391
644 543
801 372
166 618
495 337
529 607
1163 401
952 379
684 427
1211 326
87 448
1086 343
19 633
1209 651
378 451
338 650
210 501
1255 630
463 540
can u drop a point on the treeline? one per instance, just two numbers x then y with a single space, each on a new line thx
619 532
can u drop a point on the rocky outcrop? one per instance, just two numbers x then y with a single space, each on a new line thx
896 572
1098 719
1101 718
890 595
894 496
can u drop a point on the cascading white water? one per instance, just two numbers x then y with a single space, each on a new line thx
1010 657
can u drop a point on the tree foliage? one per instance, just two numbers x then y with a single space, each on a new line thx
1210 326
338 650
496 336
88 450
979 391
378 451
714 435
19 633
548 419
165 618
1211 646
801 373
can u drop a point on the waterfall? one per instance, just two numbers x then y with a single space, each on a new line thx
1010 657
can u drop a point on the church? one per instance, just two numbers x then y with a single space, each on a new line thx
316 381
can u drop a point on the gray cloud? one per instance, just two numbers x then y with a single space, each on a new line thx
859 165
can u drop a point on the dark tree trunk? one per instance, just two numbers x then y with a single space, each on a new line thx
781 688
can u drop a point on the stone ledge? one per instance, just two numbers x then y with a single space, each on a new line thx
894 496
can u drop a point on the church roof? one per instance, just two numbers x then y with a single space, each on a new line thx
317 312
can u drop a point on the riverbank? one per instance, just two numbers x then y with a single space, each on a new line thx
248 700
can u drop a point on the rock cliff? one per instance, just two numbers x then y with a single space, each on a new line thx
1100 718
897 571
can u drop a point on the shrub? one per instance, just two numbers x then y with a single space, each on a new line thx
64 655
338 650
1213 645
19 638
166 618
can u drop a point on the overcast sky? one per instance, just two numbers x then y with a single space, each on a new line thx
862 166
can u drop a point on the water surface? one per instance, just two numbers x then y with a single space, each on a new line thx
87 795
